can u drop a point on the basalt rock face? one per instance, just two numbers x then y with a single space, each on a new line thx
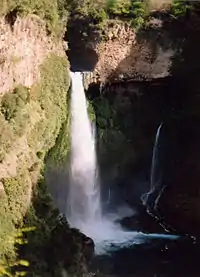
130 107
128 116
178 197
118 52
125 132
176 202
137 82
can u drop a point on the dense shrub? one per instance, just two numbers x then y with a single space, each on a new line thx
14 102
54 12
51 94
6 137
7 228
45 250
47 102
179 8
58 154
18 192
14 117
134 11
118 7
16 266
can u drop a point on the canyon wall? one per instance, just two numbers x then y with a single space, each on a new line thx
34 86
154 80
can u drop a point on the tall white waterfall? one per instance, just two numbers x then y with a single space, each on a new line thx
84 192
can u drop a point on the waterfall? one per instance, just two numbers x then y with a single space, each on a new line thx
84 206
84 192
151 198
155 170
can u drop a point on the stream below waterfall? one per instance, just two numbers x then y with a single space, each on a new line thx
156 257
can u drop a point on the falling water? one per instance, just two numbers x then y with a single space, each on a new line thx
156 172
84 203
84 194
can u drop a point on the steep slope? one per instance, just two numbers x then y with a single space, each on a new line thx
34 87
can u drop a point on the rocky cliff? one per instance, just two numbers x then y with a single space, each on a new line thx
154 80
34 87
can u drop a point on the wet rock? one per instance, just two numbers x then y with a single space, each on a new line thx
70 248
88 248
142 222
178 196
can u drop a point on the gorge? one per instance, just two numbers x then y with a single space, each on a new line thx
99 143
84 200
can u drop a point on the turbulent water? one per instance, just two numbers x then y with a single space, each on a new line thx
84 201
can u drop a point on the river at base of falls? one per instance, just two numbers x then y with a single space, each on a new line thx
123 252
109 235
146 255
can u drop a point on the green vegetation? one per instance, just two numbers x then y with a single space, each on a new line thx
43 215
58 154
13 103
43 109
134 12
179 8
111 133
7 229
54 12
51 95
91 111
47 100
38 114
13 117
45 251
41 251
18 267
18 190
13 205
119 7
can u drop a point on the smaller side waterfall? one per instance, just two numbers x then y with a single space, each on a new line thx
84 192
150 199
156 172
